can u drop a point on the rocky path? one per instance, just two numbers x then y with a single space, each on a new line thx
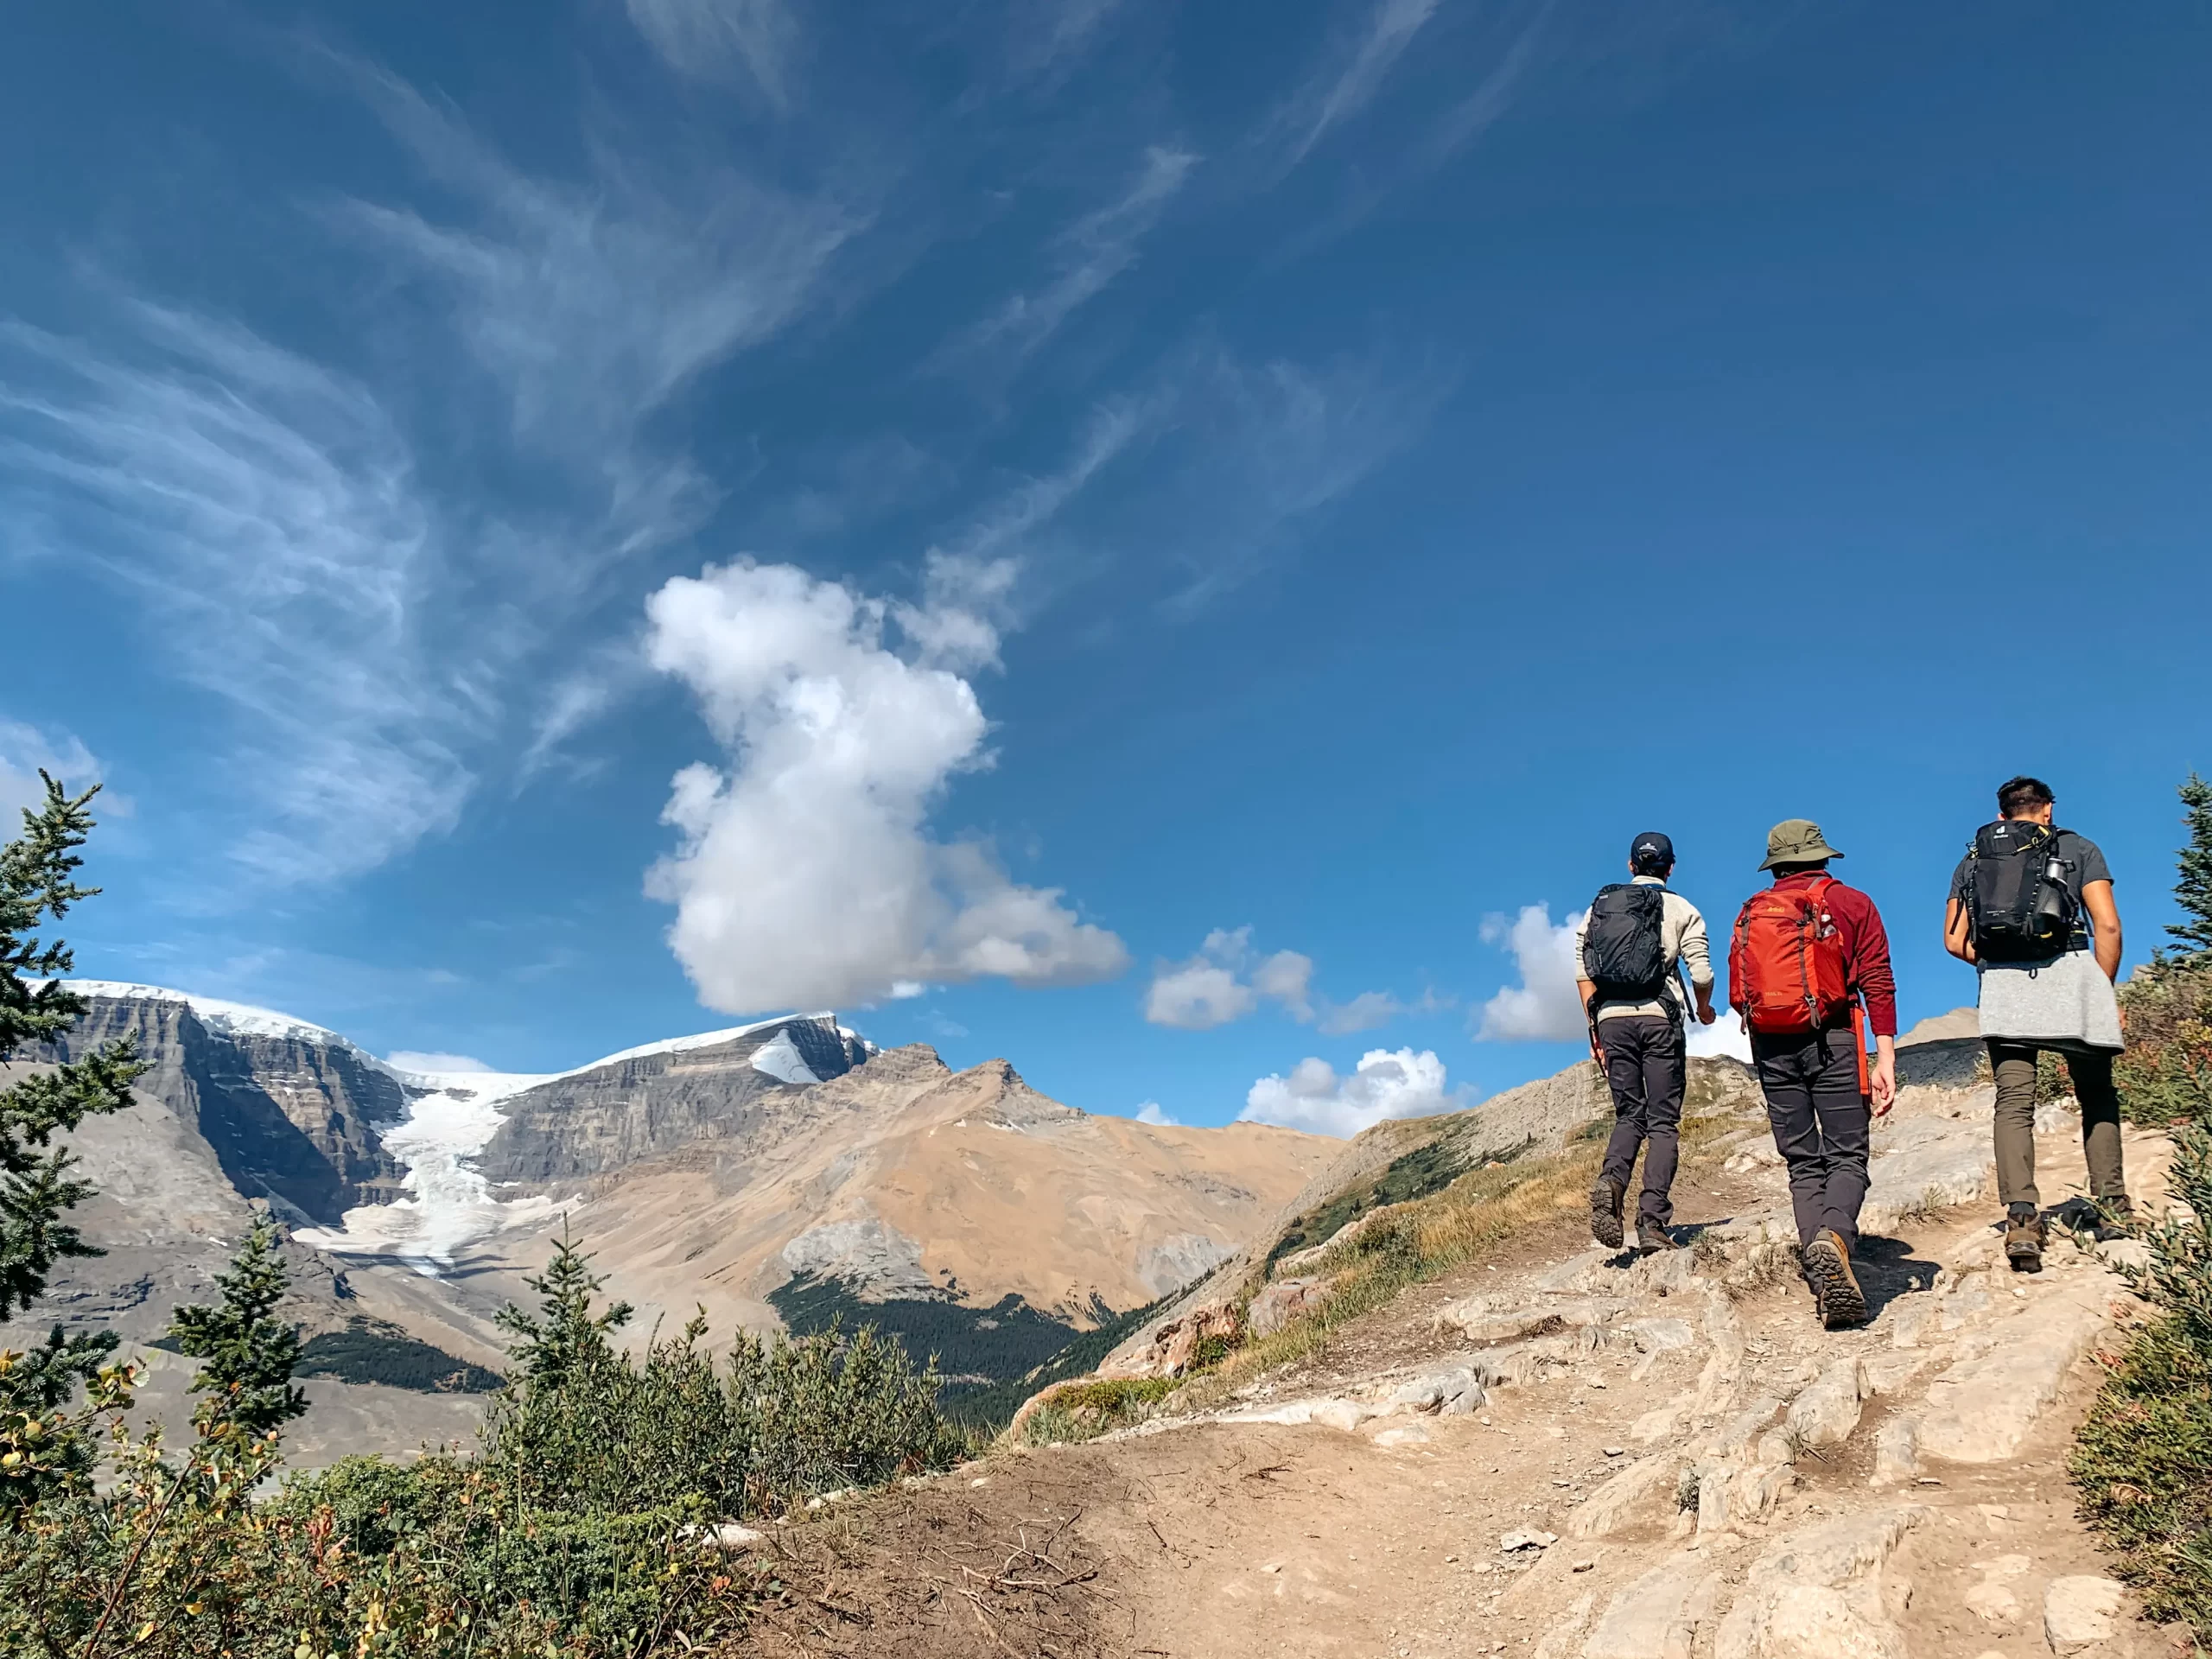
1582 1456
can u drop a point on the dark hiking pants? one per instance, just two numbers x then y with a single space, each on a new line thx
1821 1126
2014 1065
1646 1065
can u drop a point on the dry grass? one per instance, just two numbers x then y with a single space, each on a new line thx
1461 1226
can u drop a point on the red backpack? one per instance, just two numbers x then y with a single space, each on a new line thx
1787 971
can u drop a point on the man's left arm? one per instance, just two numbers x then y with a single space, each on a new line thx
2104 914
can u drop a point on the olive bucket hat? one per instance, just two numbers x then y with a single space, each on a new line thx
1797 841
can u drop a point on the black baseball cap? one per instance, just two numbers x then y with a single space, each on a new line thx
1651 847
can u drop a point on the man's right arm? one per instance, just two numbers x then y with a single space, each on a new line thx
1958 931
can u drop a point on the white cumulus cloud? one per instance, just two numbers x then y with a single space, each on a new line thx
1386 1083
1725 1036
1544 1007
806 875
1151 1113
1228 980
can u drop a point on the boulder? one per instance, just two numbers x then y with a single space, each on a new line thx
1658 1617
1818 1593
2079 1612
1609 1507
1450 1394
1981 1408
1896 1451
1827 1410
1284 1301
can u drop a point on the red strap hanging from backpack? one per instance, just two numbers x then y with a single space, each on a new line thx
1787 968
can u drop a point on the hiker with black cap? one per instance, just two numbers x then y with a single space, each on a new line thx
1808 968
1629 950
2031 908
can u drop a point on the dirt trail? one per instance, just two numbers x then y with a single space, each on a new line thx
1707 1474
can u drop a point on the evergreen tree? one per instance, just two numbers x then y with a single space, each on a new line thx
35 1186
248 1353
2194 888
44 1447
567 1340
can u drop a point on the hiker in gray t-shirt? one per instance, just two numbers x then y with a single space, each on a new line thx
2057 996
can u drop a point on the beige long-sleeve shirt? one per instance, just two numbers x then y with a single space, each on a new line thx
1681 938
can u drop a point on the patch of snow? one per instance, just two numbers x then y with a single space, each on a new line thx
232 1018
450 1203
780 1059
703 1040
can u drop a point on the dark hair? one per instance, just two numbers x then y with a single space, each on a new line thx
2022 794
1646 861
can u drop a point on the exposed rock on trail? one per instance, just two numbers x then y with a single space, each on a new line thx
1564 1453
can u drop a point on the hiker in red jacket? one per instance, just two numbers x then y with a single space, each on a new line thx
1809 960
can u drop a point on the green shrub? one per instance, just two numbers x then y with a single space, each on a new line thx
586 1427
2143 1461
1088 1409
2166 1074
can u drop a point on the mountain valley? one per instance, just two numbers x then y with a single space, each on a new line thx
786 1172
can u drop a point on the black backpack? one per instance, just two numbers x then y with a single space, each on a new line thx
2018 899
1623 948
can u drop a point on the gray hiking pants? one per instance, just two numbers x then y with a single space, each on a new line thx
1647 1067
2014 1065
1822 1126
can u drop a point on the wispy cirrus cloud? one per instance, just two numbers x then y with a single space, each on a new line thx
1088 255
724 41
592 301
1345 86
25 752
264 510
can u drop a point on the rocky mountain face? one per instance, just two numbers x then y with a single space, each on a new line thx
600 1121
288 1111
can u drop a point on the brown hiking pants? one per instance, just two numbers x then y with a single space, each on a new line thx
2014 1065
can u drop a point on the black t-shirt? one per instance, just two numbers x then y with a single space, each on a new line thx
2084 862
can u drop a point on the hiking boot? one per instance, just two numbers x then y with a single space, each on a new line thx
1835 1288
1606 1212
1651 1238
2024 1238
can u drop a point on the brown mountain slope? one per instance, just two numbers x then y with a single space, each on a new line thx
904 1180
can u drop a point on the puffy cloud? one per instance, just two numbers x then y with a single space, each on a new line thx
1386 1083
1150 1113
1545 1006
1225 982
805 875
1228 980
411 1059
1725 1036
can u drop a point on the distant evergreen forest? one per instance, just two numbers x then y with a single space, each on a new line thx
370 1351
1012 1344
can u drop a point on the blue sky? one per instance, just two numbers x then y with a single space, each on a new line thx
544 515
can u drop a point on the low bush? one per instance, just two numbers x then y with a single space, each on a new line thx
1088 1409
2166 1074
578 1530
2143 1461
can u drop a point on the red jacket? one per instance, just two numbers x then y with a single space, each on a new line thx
1866 948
